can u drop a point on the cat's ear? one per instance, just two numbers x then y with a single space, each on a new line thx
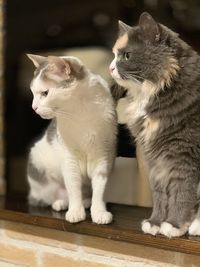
58 69
37 60
123 27
149 27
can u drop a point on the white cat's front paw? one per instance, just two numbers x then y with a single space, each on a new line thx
75 215
147 228
194 228
101 217
59 205
169 230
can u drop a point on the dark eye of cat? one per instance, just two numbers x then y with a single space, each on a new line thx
126 55
45 93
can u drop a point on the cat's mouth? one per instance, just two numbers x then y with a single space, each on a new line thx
115 74
114 71
125 77
46 117
122 79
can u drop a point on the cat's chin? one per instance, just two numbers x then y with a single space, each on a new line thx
115 75
46 116
129 84
118 78
121 82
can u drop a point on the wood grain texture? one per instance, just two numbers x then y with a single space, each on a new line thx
126 225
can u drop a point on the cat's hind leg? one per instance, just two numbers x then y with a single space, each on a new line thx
45 189
42 195
43 172
61 200
87 194
59 204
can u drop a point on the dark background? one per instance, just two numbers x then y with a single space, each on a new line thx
33 25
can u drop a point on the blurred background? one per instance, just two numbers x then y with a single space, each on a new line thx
87 29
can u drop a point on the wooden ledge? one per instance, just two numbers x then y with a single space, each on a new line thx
126 225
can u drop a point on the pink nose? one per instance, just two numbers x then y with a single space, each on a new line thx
111 68
34 107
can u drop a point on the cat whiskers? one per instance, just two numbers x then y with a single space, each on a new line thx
136 72
62 112
131 77
132 74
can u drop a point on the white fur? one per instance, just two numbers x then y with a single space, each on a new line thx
113 69
147 228
170 231
194 228
60 204
84 149
140 94
44 156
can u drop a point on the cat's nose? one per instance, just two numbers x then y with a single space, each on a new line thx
34 107
111 68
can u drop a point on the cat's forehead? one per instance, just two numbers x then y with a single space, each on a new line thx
128 39
37 81
121 43
38 84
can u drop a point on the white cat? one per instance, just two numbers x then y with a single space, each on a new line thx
77 151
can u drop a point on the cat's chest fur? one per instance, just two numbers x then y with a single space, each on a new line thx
86 119
142 125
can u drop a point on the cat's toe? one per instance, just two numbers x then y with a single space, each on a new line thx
75 215
59 205
102 217
194 228
169 230
148 228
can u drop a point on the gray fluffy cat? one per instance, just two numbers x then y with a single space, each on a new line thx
162 75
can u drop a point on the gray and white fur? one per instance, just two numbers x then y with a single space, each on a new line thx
162 75
69 166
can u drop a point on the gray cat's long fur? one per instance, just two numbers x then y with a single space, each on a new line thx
172 152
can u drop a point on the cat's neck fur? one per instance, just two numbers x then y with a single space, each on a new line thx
78 118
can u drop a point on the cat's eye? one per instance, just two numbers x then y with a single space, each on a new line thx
45 93
126 55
